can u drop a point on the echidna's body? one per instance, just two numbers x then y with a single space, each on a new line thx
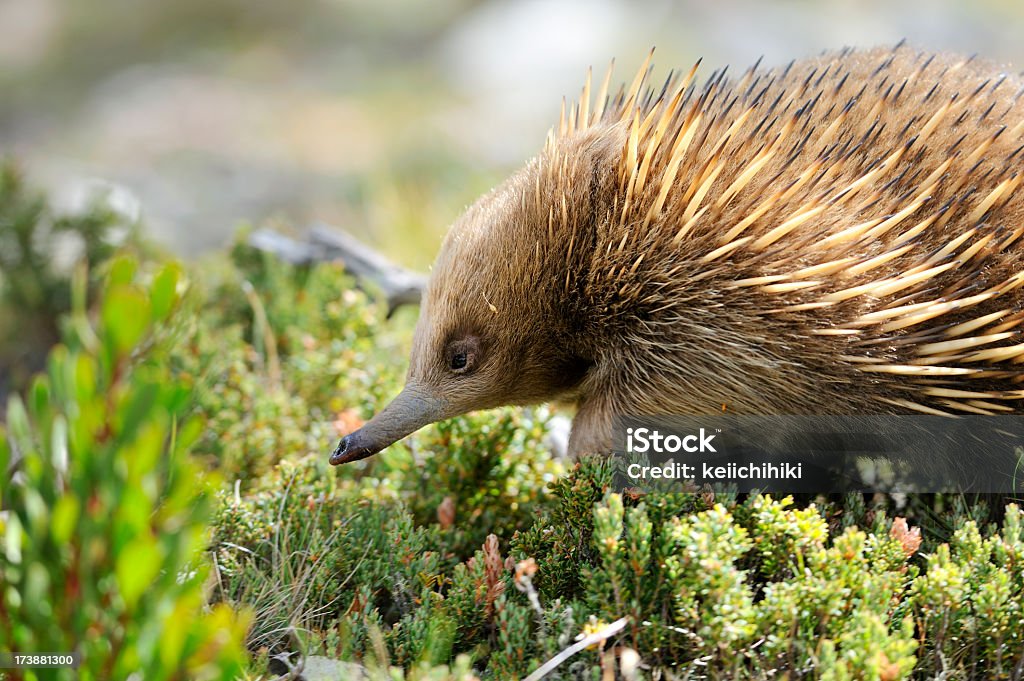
842 235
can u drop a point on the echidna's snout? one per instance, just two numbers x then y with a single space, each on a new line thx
412 409
353 448
349 449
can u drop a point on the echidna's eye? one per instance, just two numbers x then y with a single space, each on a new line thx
462 354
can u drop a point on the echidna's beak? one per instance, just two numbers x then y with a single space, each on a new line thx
412 409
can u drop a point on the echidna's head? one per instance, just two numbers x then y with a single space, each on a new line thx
494 326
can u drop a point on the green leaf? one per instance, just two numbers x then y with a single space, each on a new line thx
59 444
85 378
137 565
36 512
122 271
131 518
64 519
18 425
36 588
12 540
164 291
57 368
141 406
144 453
39 396
125 318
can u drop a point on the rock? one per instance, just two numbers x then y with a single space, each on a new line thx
319 668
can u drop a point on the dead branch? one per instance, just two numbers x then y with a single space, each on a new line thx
324 243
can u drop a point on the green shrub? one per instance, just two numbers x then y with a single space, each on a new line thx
280 353
761 589
312 551
38 252
489 471
560 539
105 518
969 603
843 599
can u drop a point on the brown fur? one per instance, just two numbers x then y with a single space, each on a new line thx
800 240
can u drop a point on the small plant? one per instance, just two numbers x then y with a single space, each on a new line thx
490 471
969 602
104 514
560 540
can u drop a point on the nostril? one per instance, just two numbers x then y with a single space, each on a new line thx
353 447
340 451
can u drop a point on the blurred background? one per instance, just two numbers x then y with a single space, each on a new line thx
383 117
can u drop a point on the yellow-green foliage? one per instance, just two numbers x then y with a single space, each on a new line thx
105 517
969 601
759 589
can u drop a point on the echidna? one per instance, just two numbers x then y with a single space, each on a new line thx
841 235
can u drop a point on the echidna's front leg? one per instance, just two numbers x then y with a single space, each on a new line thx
592 428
